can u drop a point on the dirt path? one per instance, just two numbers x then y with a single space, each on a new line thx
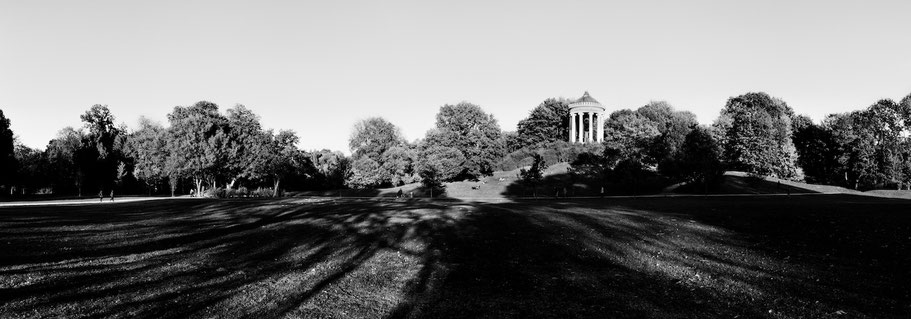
84 201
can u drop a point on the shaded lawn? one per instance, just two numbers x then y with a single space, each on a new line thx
778 257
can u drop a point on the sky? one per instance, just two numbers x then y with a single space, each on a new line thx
317 67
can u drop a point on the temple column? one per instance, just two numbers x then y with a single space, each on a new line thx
578 136
591 126
572 127
595 119
582 126
598 127
601 128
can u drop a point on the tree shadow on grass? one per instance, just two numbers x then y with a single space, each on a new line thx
627 258
571 185
744 184
186 257
674 258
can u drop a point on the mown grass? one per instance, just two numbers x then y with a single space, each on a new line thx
807 256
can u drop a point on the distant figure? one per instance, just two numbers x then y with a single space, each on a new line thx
191 193
112 195
100 196
602 191
399 194
411 194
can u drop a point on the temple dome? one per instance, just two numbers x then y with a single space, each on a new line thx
586 98
586 101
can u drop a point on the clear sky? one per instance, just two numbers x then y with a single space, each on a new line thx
316 67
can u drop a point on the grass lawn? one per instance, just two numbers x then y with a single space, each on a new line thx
806 256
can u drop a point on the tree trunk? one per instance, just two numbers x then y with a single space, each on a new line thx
231 185
275 189
198 182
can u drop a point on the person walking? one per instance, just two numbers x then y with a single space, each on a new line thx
100 196
112 195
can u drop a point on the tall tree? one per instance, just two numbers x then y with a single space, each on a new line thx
437 164
398 164
873 145
7 152
817 152
672 127
147 146
242 146
102 136
548 122
476 134
197 143
66 155
370 140
373 136
33 169
649 135
757 135
329 168
534 174
699 159
276 158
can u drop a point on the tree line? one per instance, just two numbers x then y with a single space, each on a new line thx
201 150
213 153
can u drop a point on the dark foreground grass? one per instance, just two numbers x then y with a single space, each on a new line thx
810 256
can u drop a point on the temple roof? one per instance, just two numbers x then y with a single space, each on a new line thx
586 98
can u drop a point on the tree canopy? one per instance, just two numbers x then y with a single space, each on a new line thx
756 135
548 122
476 134
373 165
7 152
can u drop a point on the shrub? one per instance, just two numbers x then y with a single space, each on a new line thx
216 192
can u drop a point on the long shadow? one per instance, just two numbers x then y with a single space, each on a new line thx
714 257
570 185
732 184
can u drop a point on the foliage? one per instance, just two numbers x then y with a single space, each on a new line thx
466 128
147 146
275 157
373 136
379 154
438 164
325 169
535 173
7 153
756 135
102 147
873 145
546 123
32 169
650 135
248 148
66 155
553 152
817 151
364 173
699 159
593 166
197 143
398 164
